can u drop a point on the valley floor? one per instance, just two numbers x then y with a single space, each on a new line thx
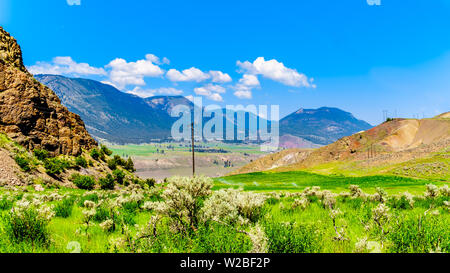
162 160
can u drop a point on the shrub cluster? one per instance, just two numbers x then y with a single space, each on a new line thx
41 154
83 182
107 183
56 166
97 154
118 161
80 161
23 162
28 223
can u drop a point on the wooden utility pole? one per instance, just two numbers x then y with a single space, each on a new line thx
193 149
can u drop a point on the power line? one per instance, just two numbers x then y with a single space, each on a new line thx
193 149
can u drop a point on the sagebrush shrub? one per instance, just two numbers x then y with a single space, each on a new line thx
232 206
107 226
379 196
251 205
259 240
432 191
444 191
302 203
27 224
184 198
356 192
221 207
405 201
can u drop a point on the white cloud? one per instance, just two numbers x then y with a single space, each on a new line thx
249 80
110 83
276 71
215 97
245 86
220 77
74 2
125 73
169 91
202 91
155 59
165 61
188 75
214 88
194 74
145 93
211 91
243 94
65 66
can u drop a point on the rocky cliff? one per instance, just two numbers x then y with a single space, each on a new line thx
30 113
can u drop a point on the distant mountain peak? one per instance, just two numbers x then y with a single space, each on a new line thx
321 126
167 103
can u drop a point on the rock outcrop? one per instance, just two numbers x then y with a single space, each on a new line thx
30 113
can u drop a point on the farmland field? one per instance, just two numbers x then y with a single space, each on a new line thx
162 160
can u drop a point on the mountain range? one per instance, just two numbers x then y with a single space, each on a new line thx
113 115
119 117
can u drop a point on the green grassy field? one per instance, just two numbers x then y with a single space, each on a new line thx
225 221
299 180
435 166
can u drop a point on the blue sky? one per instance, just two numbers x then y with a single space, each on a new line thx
347 54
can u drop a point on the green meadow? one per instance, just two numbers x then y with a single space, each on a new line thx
299 180
157 220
